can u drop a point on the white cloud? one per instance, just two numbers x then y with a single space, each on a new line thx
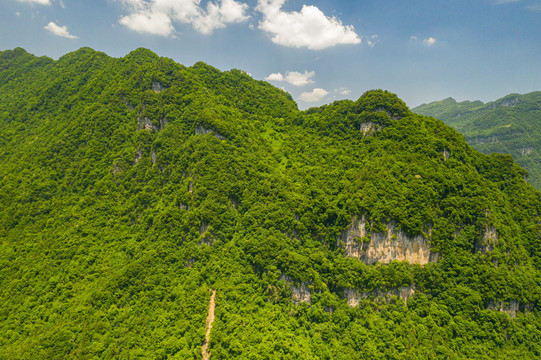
309 28
275 77
429 41
40 2
157 16
372 40
343 91
18 13
413 38
293 77
59 30
154 23
315 95
300 79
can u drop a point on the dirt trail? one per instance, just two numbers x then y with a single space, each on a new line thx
210 319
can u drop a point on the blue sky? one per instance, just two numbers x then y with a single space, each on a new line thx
317 50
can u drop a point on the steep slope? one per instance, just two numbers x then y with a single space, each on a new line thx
509 125
132 187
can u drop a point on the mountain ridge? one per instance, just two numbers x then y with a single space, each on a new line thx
132 188
507 125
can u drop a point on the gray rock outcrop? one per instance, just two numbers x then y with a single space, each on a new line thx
354 296
384 247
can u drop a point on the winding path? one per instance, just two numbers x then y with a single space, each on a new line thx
210 318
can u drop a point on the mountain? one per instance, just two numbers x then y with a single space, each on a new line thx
509 125
152 210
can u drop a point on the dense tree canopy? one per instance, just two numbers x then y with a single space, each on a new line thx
131 187
509 125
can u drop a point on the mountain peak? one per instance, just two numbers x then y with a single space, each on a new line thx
142 55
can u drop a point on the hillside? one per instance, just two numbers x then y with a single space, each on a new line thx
145 205
509 125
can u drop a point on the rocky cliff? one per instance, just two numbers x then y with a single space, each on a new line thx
384 247
354 296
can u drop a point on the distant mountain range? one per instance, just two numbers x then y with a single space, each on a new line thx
510 125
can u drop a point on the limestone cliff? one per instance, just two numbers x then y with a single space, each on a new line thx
206 236
203 131
392 244
299 290
354 296
157 87
446 154
510 307
368 128
487 241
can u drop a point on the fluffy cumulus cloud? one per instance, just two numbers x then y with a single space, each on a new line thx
157 16
429 41
61 31
150 22
40 2
275 77
293 77
309 28
314 96
343 91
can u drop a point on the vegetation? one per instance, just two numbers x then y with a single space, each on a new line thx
132 187
509 125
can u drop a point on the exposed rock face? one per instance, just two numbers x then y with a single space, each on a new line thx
203 228
207 237
488 240
202 131
484 140
163 122
354 296
153 157
157 86
190 263
138 156
446 154
526 150
512 101
116 168
384 247
380 108
145 123
299 291
368 128
511 307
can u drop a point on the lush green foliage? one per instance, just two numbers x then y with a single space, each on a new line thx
509 125
131 187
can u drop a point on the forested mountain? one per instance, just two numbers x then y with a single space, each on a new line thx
510 125
134 188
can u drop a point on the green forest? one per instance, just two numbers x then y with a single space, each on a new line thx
132 188
509 125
